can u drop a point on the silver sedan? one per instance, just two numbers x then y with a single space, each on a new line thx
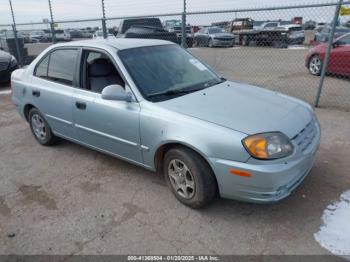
153 104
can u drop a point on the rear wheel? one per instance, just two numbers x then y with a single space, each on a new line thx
40 128
315 65
189 177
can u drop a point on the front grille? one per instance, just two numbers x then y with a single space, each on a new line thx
3 66
306 136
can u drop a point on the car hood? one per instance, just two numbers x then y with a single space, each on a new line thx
4 57
225 35
244 108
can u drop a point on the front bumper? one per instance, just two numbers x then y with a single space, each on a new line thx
270 181
219 42
296 40
5 75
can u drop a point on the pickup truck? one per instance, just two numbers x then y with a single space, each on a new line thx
150 28
266 34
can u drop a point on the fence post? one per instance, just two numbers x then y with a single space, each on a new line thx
52 24
19 57
328 53
14 29
104 27
183 29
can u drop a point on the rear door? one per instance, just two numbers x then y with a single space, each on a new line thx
52 88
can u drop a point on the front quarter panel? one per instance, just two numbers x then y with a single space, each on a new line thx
160 126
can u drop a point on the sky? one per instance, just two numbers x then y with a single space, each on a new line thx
36 10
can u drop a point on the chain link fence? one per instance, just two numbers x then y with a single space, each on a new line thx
282 48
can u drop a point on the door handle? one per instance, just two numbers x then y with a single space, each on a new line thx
80 105
36 93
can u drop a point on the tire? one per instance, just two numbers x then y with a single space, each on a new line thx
195 43
210 43
189 177
245 40
40 128
315 65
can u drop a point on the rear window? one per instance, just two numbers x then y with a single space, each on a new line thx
62 66
58 66
134 22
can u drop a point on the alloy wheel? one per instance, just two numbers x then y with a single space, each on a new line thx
181 179
38 126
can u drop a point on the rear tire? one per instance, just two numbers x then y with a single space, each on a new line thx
40 128
315 65
189 177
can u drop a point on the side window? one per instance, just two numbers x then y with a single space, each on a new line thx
41 68
345 40
62 66
98 72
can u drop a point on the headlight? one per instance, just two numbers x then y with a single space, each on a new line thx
268 145
13 61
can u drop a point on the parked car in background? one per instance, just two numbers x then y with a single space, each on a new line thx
60 35
36 36
74 33
309 25
176 27
99 35
8 64
214 37
148 28
86 33
339 61
322 36
295 33
152 103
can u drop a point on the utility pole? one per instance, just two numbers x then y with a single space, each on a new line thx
15 35
104 27
183 31
52 24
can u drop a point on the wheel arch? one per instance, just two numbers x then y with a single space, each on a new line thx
26 110
166 146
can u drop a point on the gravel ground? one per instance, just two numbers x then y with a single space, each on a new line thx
67 199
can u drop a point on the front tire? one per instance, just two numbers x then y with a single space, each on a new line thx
40 128
315 65
189 177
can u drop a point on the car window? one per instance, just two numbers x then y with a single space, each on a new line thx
41 69
98 71
62 66
344 40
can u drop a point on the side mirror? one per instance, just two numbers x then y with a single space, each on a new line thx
116 93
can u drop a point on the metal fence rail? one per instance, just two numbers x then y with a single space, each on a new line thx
282 67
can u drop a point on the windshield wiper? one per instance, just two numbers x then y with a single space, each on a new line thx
174 92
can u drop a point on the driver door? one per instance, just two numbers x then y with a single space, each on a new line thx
339 61
110 126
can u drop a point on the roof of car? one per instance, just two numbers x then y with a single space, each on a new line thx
118 43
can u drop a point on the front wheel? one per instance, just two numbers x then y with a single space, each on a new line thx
315 65
189 177
40 128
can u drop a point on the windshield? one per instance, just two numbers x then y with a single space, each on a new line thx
216 30
163 72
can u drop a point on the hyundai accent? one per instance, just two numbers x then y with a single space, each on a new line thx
153 104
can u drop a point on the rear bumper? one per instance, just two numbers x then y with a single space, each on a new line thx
269 181
297 40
